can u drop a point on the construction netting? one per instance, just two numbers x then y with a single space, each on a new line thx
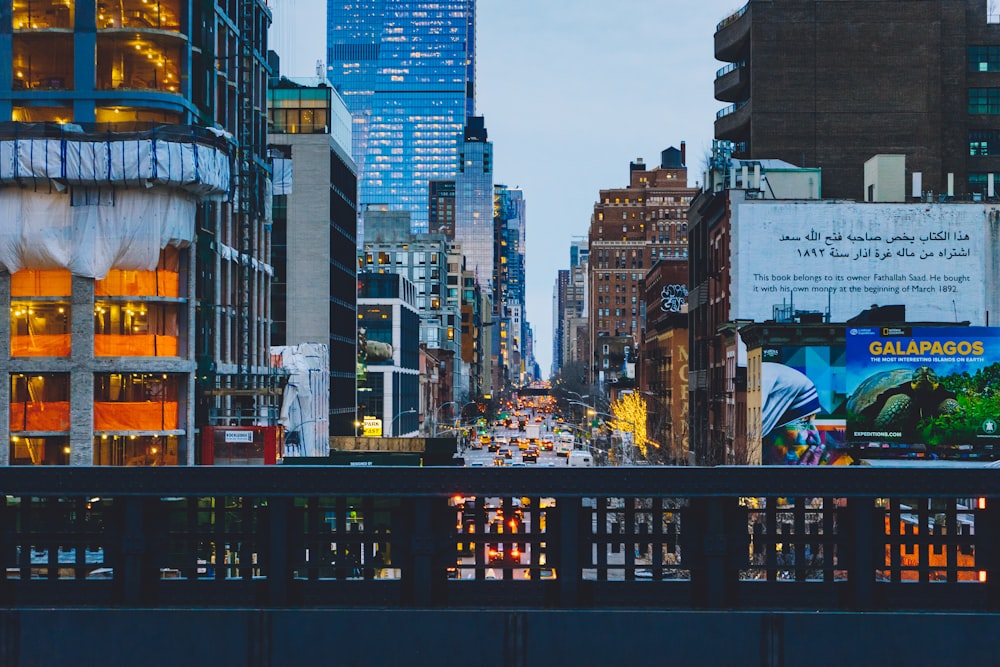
40 345
89 203
31 282
138 416
52 416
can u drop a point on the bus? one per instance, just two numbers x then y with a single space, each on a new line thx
564 445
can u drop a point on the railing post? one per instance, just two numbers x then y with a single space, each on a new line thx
861 551
713 538
278 546
422 542
567 551
133 550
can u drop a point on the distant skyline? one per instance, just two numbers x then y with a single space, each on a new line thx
572 93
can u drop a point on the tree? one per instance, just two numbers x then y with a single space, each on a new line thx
630 417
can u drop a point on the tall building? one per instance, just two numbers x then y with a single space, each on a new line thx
509 296
631 228
135 272
559 319
827 84
390 247
313 297
389 384
474 215
406 70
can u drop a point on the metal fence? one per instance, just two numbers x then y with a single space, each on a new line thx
853 539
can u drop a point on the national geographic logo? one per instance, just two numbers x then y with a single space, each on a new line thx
888 332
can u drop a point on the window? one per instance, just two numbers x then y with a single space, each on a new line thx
984 101
984 59
983 143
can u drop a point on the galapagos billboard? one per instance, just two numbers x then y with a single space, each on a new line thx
842 257
932 386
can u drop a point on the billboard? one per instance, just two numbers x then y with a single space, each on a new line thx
842 257
933 387
802 413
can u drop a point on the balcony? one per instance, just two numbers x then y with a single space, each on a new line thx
732 83
733 122
732 34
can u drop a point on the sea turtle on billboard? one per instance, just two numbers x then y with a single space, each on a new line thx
902 397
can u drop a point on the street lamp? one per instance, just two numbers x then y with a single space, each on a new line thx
438 411
393 422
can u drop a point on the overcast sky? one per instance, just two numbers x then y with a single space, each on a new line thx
574 91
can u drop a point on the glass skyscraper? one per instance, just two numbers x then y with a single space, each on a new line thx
406 70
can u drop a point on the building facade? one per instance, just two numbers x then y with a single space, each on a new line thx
141 314
389 388
663 371
314 233
821 84
630 229
407 73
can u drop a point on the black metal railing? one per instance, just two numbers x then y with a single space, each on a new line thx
645 538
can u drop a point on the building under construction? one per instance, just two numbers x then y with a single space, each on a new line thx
134 233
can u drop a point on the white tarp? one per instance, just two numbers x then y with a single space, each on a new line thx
101 230
306 402
281 169
199 169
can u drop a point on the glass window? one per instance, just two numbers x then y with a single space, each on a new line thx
984 143
137 450
984 59
984 101
39 403
39 328
39 450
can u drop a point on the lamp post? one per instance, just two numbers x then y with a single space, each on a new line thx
393 422
438 411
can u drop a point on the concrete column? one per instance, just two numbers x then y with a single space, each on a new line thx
81 390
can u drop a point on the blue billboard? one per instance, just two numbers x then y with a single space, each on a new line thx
932 387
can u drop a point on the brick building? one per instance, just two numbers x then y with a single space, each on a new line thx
631 228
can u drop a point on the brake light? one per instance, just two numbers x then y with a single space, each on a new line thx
515 552
494 553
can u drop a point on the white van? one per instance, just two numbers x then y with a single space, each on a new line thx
580 459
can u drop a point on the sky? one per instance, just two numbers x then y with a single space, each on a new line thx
572 92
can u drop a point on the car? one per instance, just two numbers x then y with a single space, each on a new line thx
506 453
503 553
530 455
543 573
547 444
493 446
499 461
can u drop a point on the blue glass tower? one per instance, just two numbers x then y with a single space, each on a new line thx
406 70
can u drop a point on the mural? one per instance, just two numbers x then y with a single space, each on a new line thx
802 416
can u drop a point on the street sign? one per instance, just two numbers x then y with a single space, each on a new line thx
373 427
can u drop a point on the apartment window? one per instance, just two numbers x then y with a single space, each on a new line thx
983 143
984 58
984 100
